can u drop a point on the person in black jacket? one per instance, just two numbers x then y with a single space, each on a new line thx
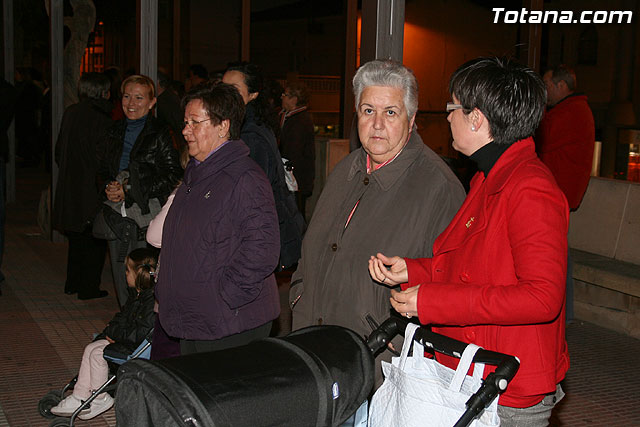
297 139
257 134
28 145
76 196
139 168
8 95
127 329
169 110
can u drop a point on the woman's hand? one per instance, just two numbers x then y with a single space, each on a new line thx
114 191
394 275
406 302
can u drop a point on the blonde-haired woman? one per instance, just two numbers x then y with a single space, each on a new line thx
138 164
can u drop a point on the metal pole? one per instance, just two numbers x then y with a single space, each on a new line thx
532 34
350 47
148 34
245 50
177 21
382 30
9 75
56 25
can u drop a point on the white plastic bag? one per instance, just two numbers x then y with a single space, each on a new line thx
418 391
292 184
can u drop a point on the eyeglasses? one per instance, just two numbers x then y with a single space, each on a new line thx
194 123
451 106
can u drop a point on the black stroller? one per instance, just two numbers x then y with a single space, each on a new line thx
317 376
115 355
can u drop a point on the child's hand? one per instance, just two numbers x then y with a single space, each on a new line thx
109 339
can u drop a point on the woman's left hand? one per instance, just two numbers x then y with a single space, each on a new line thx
406 302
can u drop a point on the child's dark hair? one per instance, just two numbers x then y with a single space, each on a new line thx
143 262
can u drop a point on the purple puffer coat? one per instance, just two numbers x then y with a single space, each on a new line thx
220 246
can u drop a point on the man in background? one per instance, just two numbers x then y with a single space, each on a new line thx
169 109
565 141
197 75
297 143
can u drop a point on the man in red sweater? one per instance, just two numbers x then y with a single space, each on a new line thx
564 142
566 135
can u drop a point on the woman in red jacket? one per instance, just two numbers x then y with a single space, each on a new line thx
497 275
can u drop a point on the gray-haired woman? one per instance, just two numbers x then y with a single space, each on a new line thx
76 198
393 192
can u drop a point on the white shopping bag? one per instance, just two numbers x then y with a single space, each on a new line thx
418 391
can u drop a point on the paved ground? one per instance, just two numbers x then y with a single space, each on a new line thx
43 332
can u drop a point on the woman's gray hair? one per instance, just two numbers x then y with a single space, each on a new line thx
93 86
390 74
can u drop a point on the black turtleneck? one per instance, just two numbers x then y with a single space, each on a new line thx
488 155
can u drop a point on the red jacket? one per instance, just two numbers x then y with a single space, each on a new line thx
564 142
498 273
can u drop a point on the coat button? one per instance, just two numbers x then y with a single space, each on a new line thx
188 190
464 277
470 336
438 270
334 247
365 181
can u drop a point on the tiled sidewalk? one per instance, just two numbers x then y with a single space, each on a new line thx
43 332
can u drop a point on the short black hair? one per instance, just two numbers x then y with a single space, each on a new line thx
221 102
163 80
510 95
93 86
199 70
252 75
254 79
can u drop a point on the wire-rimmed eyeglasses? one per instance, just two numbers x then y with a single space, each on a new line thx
193 123
452 106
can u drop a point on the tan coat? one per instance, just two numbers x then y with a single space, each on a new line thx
403 207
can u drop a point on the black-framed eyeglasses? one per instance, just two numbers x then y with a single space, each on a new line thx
193 123
452 106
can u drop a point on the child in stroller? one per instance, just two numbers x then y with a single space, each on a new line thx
126 331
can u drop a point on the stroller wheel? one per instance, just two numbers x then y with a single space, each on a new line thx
60 422
49 400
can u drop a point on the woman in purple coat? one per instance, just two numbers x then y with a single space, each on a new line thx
220 242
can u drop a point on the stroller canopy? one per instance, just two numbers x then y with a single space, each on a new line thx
315 376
